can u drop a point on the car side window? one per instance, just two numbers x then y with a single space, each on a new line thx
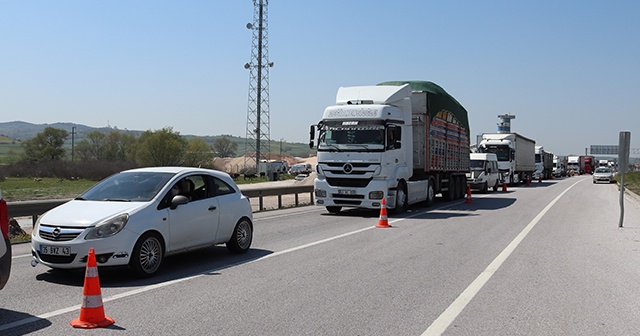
221 188
199 187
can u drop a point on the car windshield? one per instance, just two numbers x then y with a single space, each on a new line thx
603 170
128 187
476 164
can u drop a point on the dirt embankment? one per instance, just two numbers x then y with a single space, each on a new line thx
238 164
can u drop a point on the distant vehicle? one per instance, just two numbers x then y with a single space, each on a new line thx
301 177
484 171
516 157
136 218
5 244
587 164
544 164
559 166
603 174
300 168
272 168
573 164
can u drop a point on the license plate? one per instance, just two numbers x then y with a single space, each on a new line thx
55 250
346 191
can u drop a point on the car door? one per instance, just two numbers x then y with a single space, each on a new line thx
195 223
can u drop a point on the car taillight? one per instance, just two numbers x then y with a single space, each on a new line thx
4 218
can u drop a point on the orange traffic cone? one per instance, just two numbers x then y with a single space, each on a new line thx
383 222
469 200
504 186
91 311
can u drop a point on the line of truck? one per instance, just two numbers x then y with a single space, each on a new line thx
403 142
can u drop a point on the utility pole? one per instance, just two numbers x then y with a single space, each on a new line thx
258 128
73 137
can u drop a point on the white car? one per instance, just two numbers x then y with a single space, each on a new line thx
133 218
5 244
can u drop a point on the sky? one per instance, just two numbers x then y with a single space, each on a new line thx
568 70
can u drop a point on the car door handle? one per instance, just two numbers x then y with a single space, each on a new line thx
212 208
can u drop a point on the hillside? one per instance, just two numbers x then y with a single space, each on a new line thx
14 132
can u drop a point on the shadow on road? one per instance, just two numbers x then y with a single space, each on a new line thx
211 260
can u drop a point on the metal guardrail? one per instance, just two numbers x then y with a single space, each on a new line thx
37 208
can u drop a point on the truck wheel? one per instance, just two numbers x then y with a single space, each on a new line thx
401 198
334 209
462 183
430 193
451 193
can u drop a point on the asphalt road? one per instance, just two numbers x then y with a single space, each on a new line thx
544 259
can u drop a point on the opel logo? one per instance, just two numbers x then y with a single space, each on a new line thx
347 168
56 232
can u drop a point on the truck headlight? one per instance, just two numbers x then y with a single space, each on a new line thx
108 227
320 193
376 195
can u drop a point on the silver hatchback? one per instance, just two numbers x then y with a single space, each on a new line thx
603 174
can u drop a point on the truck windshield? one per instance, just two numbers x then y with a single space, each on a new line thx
502 152
358 137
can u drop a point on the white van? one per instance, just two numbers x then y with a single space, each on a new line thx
484 171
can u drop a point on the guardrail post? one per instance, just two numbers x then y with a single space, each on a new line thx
296 197
260 201
280 201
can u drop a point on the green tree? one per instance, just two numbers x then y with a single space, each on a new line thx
45 146
161 148
224 147
91 147
114 146
197 153
120 146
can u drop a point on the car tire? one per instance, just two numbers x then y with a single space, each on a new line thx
495 187
147 255
242 236
485 187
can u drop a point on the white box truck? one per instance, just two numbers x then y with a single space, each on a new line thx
400 141
516 158
544 164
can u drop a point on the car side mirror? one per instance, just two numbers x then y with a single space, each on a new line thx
178 200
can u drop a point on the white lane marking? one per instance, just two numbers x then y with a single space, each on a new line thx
447 317
168 283
171 282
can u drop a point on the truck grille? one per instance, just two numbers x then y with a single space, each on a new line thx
348 182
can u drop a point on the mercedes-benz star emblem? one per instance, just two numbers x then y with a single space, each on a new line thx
347 168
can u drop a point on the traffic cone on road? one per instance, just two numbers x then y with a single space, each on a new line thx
383 222
469 200
504 186
92 311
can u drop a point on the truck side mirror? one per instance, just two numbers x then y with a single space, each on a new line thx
312 136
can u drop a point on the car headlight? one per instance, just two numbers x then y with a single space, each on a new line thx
108 227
